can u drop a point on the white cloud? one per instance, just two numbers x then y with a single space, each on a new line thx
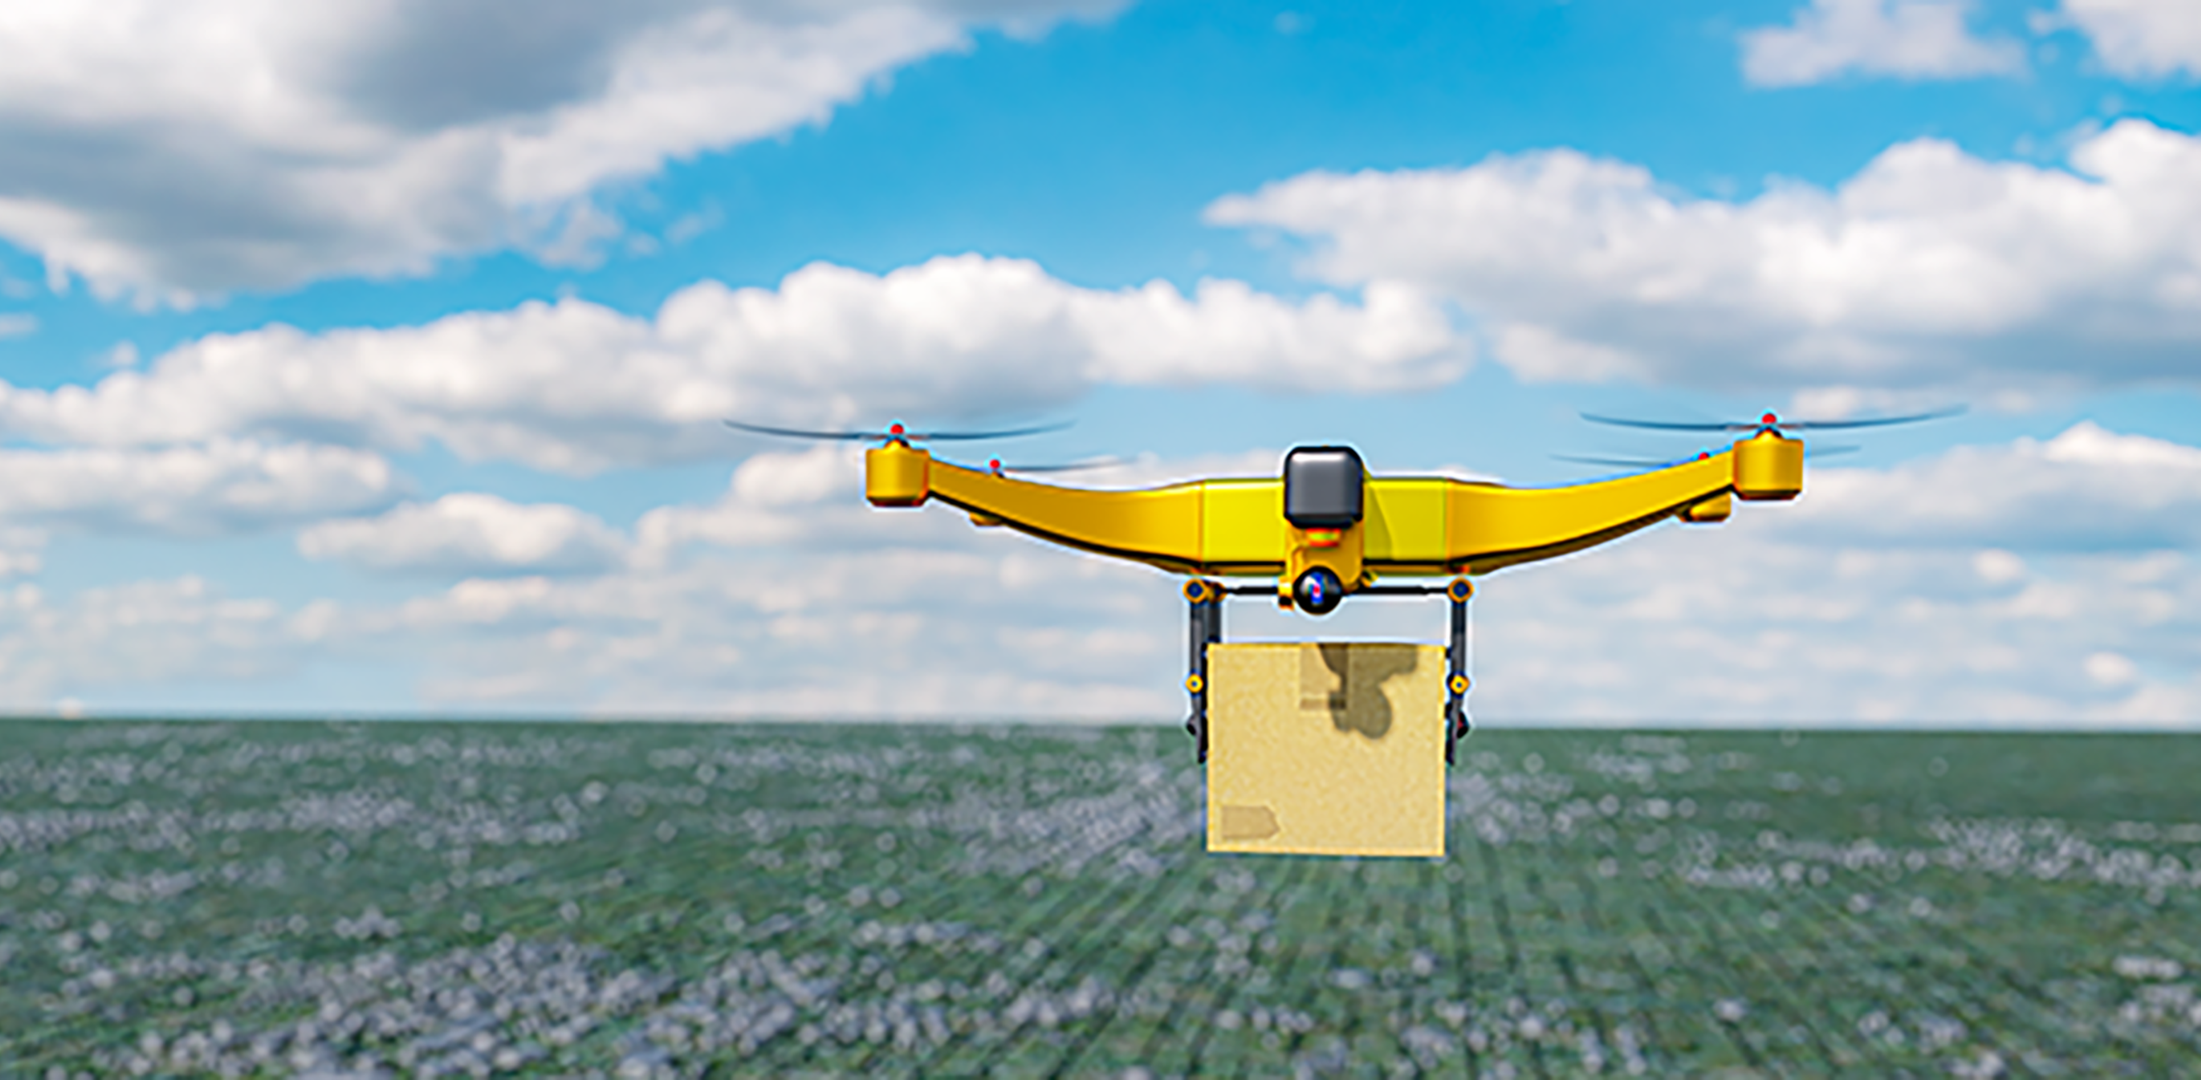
2141 39
222 486
2111 669
17 324
985 625
21 551
2035 582
1739 625
1819 610
773 498
575 387
1908 39
2087 489
1931 268
180 147
1996 566
470 533
1845 606
136 634
790 596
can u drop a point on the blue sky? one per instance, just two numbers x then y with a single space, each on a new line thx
353 370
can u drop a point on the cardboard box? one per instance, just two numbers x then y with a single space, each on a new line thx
1326 748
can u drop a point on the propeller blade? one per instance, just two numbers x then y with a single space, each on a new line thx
893 432
1769 420
997 466
796 433
1810 451
1075 466
1665 425
1876 421
941 436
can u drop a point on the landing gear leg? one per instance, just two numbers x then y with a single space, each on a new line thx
1455 662
1204 621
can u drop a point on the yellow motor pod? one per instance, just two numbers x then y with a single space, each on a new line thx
1711 511
1769 467
897 475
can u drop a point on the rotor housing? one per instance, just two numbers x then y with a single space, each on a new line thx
1768 467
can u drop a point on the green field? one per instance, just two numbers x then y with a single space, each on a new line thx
642 900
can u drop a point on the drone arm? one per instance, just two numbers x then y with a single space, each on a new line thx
1435 526
1494 527
1160 526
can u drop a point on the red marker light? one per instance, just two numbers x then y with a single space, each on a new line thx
995 465
1769 419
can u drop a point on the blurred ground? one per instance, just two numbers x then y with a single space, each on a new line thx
640 900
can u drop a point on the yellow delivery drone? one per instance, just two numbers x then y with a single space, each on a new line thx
1327 530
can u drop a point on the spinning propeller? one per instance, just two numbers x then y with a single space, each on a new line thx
996 467
894 433
1770 422
897 433
1654 463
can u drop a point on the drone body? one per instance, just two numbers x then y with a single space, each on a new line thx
1311 756
1325 529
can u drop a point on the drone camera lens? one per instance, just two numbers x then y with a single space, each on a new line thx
1318 591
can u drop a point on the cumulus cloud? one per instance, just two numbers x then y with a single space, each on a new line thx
789 596
943 626
21 550
2034 582
192 146
2141 39
1855 603
773 497
470 533
575 387
815 499
1908 39
137 634
1931 268
221 486
2088 489
1739 625
1821 610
